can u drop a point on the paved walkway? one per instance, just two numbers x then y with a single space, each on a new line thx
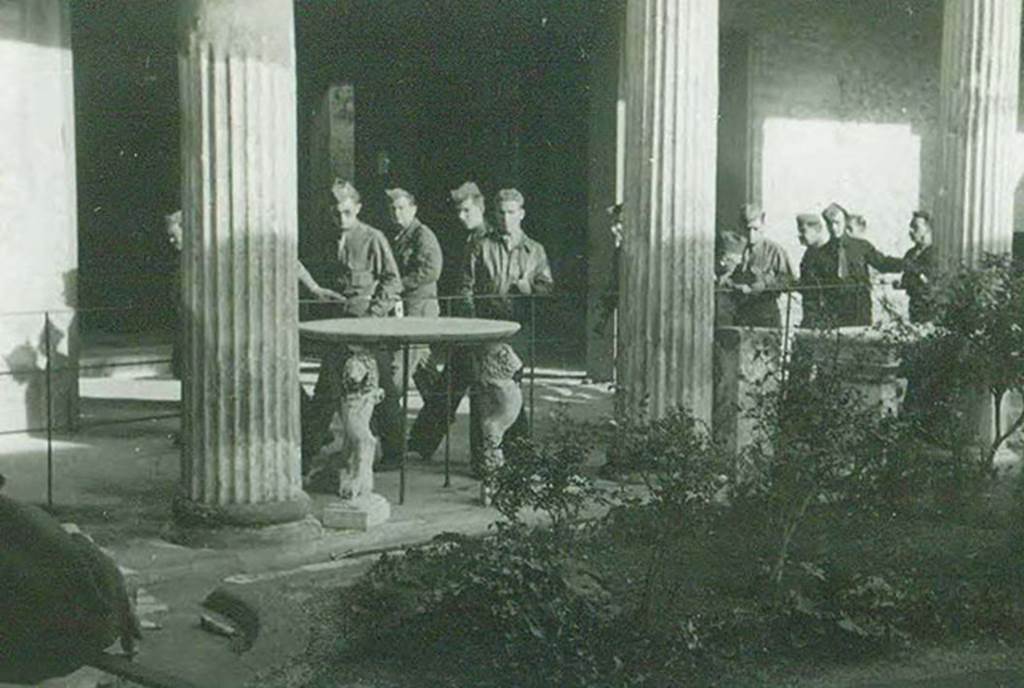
116 476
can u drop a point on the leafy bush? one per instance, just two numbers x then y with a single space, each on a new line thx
510 604
547 475
976 345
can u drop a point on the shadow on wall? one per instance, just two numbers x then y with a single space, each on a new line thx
26 365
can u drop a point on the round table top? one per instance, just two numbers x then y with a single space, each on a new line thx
411 330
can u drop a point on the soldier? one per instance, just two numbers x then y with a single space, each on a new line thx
814 268
442 393
848 301
502 270
419 261
919 267
367 284
761 270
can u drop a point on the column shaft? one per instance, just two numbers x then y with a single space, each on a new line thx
241 409
666 299
978 120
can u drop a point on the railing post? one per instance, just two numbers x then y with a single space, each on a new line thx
49 409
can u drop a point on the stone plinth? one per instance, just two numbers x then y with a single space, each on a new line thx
241 463
361 513
747 361
979 83
666 301
38 217
867 361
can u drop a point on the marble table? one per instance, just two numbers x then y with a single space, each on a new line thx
404 332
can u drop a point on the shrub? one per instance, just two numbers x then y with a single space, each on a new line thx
547 475
976 345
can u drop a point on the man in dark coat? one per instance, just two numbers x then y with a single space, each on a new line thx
815 271
919 267
847 299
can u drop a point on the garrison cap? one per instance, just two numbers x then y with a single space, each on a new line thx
808 219
396 193
923 214
833 209
750 212
467 190
343 190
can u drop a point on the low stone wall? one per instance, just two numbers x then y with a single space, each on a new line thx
747 361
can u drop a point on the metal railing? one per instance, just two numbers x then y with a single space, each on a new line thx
48 357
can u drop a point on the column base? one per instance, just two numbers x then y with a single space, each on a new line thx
240 525
229 537
362 513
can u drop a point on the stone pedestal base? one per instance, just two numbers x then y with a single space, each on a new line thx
227 537
362 513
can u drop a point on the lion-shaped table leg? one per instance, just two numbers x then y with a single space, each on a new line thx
351 454
500 401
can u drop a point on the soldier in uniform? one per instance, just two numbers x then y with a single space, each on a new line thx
442 393
848 301
419 259
761 270
919 267
814 268
365 283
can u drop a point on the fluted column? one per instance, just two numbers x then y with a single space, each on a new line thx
978 118
241 462
666 301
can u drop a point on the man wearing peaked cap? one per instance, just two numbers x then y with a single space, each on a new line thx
847 297
365 282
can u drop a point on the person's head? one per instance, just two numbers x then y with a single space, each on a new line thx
403 207
921 228
172 225
751 222
835 217
810 230
469 205
346 204
510 211
857 225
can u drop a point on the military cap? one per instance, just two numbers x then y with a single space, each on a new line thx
834 208
467 190
342 190
923 214
808 219
750 212
511 195
396 193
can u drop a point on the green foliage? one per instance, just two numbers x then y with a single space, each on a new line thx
510 604
548 475
976 344
818 442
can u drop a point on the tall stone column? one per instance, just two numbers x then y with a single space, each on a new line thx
666 301
38 218
241 463
978 120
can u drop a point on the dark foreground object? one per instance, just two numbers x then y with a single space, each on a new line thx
62 601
